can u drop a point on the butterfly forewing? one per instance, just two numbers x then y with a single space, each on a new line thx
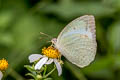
77 41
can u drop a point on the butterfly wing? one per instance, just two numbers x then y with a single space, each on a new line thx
77 41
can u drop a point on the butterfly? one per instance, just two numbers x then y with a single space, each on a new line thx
77 41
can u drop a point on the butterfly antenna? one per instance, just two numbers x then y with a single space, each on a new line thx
46 35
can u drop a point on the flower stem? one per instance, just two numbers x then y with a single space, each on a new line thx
45 70
50 72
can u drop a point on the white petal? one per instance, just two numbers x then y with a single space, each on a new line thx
34 57
41 63
1 75
49 61
58 66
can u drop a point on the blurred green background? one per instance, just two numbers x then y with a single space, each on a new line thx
22 20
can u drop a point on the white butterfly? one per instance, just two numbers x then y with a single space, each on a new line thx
77 41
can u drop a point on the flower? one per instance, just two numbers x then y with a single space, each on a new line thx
3 66
51 54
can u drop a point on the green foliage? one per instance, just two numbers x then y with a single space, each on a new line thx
21 22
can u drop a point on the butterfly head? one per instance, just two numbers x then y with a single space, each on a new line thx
54 40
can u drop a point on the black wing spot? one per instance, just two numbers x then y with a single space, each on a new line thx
74 28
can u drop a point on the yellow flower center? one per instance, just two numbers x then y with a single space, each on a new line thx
51 52
3 64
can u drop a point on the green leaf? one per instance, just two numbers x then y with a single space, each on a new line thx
30 68
30 74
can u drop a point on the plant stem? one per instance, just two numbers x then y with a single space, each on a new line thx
45 70
50 72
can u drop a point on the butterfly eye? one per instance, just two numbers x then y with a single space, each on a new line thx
54 40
